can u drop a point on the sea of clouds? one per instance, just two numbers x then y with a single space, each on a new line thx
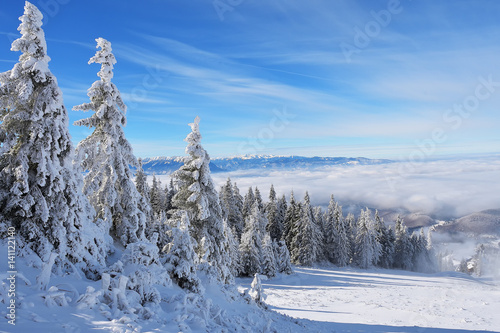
442 188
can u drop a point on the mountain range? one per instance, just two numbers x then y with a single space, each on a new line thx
166 165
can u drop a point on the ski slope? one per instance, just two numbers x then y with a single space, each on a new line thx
353 300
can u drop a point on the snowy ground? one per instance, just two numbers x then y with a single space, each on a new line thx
351 300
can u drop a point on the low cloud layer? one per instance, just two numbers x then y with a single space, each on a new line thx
444 189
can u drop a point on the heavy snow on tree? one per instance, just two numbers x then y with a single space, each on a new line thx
107 155
197 196
251 243
40 189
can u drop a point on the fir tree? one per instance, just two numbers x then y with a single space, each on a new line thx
268 257
275 224
283 258
40 189
197 196
331 232
305 242
230 209
180 257
248 203
107 155
403 249
343 254
292 216
251 243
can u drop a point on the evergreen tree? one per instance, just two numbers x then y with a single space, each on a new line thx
275 226
331 232
292 216
230 209
180 257
318 217
365 252
107 155
258 197
251 243
240 220
283 258
387 246
40 189
403 250
268 257
234 251
197 196
350 222
248 203
157 198
305 242
145 201
343 254
281 208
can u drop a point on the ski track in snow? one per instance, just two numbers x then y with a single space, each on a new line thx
353 300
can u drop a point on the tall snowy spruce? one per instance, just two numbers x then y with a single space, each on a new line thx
40 190
197 196
251 243
107 155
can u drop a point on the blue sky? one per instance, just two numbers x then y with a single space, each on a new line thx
386 79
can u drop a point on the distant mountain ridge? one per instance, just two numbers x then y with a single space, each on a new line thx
166 165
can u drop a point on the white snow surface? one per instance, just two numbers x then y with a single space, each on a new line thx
379 300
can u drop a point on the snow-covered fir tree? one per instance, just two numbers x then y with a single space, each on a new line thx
234 251
180 258
107 155
306 236
248 202
238 201
157 197
275 224
368 248
268 258
343 253
331 232
258 198
386 241
292 215
40 189
197 196
281 207
403 249
251 243
230 209
283 260
142 187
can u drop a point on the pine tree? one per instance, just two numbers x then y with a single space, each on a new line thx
305 242
251 243
343 254
364 246
248 203
318 218
40 189
145 201
292 216
350 222
281 207
157 198
258 197
107 155
331 232
268 257
283 258
234 251
197 196
387 247
230 209
180 257
275 224
239 220
403 250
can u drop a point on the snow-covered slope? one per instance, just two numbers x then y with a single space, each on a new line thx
354 300
166 165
